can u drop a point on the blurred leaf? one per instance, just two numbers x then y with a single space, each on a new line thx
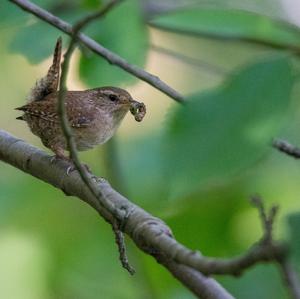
265 278
36 41
10 14
141 168
294 226
220 133
91 3
122 32
236 24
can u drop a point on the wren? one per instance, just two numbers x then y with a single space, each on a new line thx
94 114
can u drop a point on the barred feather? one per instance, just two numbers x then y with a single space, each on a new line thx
49 83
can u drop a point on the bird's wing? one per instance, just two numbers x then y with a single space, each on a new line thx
79 115
40 109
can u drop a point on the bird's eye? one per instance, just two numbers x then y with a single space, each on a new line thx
113 97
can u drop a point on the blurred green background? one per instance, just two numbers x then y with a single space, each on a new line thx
194 166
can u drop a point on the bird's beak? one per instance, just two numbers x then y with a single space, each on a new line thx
138 110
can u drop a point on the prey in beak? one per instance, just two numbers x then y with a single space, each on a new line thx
138 110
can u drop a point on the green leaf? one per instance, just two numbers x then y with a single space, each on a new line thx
122 32
141 168
10 14
36 42
91 3
265 278
236 24
222 132
37 39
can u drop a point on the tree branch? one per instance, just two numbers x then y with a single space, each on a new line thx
150 234
196 282
145 230
99 49
294 48
287 148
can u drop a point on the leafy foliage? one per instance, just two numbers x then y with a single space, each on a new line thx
224 23
224 131
214 140
122 32
127 36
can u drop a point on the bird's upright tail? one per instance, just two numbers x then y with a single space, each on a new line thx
49 83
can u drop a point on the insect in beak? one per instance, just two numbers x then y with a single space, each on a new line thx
138 110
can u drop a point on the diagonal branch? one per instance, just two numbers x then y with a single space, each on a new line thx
150 234
99 49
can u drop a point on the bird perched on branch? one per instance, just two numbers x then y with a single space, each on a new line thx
93 114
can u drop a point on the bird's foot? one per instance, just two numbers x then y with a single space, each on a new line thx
55 158
71 167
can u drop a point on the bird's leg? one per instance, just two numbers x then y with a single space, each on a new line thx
87 168
60 155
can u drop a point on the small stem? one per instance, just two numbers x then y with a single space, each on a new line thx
290 279
103 201
287 148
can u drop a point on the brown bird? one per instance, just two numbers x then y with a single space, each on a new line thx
93 114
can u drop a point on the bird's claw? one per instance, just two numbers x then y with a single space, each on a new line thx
53 159
72 168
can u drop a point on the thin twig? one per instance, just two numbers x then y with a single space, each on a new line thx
106 203
287 148
294 48
84 22
290 278
66 127
119 237
267 219
99 49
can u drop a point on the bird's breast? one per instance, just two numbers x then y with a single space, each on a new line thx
99 132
